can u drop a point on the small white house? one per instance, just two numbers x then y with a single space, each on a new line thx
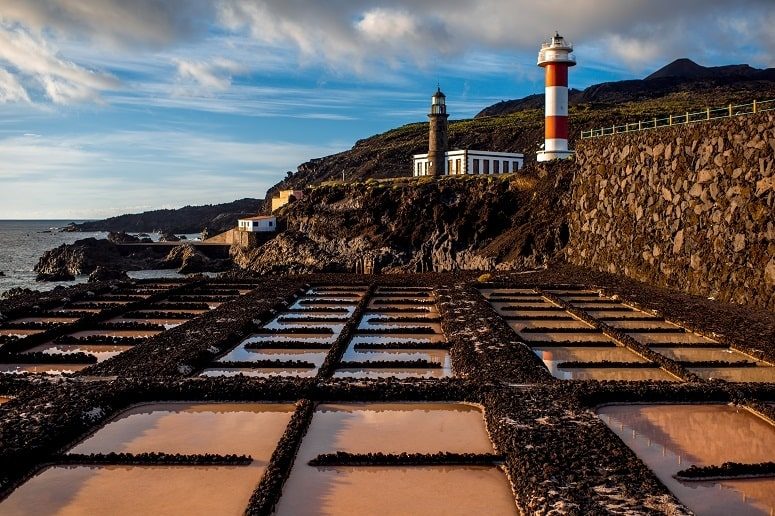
259 224
471 162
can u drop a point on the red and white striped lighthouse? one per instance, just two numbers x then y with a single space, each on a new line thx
555 56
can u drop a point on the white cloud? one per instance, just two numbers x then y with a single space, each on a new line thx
62 81
367 40
210 76
427 30
11 89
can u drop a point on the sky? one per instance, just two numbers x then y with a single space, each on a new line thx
116 106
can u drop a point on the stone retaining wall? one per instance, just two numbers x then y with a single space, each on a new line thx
689 207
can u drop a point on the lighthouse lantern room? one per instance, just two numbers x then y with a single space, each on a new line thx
555 57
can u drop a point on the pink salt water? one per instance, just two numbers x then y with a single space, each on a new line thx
259 372
670 438
116 333
52 369
395 428
239 354
101 351
737 374
615 373
697 353
391 372
241 428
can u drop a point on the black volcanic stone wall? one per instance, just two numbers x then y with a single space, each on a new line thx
691 207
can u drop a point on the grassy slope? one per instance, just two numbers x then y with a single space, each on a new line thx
389 154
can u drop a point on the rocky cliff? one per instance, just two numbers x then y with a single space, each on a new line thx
468 222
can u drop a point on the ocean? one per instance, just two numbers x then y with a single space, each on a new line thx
23 242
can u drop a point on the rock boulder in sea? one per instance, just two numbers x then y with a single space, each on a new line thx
188 259
120 237
168 237
102 273
83 257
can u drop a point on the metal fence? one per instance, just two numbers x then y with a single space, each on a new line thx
685 118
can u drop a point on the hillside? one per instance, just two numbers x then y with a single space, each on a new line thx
389 154
189 219
680 76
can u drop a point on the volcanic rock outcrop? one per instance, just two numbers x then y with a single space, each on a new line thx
451 224
187 259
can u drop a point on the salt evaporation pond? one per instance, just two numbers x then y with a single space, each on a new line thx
223 428
52 369
697 354
737 374
671 438
391 372
395 428
101 351
615 373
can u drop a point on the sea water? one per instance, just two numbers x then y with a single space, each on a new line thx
23 242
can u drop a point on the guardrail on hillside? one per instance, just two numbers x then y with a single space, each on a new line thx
686 118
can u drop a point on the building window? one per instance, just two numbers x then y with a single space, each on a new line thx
457 166
449 167
505 167
419 168
426 167
476 166
486 163
270 223
516 166
496 166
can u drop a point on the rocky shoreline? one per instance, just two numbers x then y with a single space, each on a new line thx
104 259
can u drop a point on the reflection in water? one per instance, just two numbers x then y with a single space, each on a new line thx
737 374
615 373
440 356
240 354
553 356
558 336
258 372
392 372
395 428
101 351
669 438
53 369
83 490
189 428
696 353
398 491
687 338
242 428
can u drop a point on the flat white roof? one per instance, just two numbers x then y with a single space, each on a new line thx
260 217
492 154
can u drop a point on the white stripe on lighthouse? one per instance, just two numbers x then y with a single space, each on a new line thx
555 144
556 100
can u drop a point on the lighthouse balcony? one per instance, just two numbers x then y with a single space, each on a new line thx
556 55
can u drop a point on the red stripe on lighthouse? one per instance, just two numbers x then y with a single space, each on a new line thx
557 74
556 127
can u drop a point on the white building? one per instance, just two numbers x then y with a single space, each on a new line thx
471 162
259 224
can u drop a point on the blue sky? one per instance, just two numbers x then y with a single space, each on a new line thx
109 106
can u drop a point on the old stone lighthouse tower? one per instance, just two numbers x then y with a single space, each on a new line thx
437 136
